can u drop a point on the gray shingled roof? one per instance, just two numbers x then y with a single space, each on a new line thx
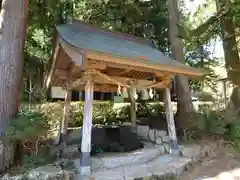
82 36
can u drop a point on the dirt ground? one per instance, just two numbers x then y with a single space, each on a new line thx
223 162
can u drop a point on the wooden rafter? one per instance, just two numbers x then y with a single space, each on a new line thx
156 84
111 79
120 81
78 82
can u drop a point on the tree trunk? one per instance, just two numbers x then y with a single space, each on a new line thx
13 19
232 60
184 104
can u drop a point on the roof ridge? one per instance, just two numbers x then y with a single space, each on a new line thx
125 36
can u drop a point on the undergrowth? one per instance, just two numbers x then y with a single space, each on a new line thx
212 124
28 132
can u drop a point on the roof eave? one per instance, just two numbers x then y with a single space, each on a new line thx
187 71
53 59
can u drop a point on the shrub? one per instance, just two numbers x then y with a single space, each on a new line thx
124 113
28 126
103 112
206 123
233 134
54 113
206 96
28 131
157 110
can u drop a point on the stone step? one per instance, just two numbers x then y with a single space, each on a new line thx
159 167
114 160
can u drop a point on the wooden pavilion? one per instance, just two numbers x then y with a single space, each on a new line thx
95 59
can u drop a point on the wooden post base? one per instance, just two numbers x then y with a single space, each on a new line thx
85 171
175 150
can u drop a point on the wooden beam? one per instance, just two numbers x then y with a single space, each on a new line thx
76 56
65 118
126 67
78 82
157 85
62 74
99 65
87 128
124 72
54 61
171 124
140 63
131 92
115 81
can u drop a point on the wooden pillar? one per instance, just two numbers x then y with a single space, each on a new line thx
131 94
65 118
87 129
171 124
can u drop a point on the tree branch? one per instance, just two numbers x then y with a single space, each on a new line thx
208 26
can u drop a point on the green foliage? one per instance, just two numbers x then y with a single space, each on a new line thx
205 96
124 113
208 123
143 109
29 129
213 123
233 133
103 112
28 125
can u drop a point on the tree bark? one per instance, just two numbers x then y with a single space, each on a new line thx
184 102
13 19
232 60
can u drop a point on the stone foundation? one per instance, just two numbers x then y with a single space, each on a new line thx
152 135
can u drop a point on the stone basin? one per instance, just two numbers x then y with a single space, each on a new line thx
109 138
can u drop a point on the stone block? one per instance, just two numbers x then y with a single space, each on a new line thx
160 133
147 144
152 135
96 163
74 135
161 148
142 132
167 147
112 174
116 161
159 140
146 155
193 152
136 171
8 177
50 172
166 139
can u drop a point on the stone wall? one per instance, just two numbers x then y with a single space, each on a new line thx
152 135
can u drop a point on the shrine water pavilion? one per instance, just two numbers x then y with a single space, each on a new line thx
88 58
